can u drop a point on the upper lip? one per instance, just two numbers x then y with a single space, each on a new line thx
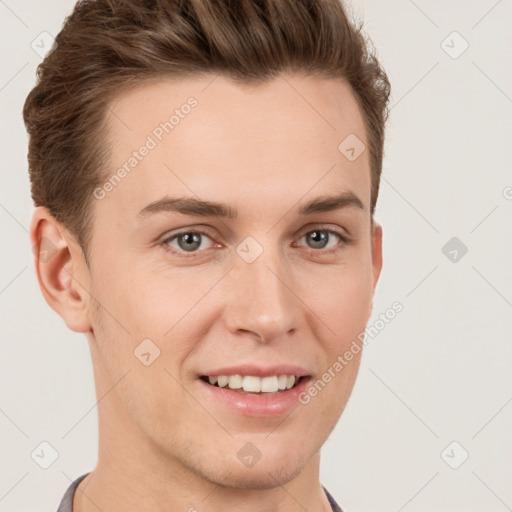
259 371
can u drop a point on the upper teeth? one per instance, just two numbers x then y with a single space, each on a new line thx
254 384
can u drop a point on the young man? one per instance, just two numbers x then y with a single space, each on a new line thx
253 133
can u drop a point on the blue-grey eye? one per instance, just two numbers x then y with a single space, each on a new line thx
189 241
320 237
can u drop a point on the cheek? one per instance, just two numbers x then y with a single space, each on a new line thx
352 308
342 298
159 312
140 304
136 355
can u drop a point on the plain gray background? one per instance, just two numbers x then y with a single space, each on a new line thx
439 372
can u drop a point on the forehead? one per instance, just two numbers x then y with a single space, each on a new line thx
258 145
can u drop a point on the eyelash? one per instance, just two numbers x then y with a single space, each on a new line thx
344 241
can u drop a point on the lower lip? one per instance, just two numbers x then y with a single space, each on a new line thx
262 405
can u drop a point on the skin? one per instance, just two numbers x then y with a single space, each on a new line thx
264 151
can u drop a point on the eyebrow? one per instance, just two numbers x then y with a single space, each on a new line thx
198 207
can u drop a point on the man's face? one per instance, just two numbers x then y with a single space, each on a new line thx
270 291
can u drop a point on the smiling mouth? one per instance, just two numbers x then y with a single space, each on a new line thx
251 384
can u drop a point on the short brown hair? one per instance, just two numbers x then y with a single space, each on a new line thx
106 46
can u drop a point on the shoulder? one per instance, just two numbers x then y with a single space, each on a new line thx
335 507
66 504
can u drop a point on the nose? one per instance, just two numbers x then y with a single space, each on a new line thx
263 301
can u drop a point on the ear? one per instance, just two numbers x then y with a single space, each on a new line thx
376 252
61 269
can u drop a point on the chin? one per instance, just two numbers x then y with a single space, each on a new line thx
259 478
268 473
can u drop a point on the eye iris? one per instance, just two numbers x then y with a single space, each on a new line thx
322 235
189 238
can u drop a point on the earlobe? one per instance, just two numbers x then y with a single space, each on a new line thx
59 267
